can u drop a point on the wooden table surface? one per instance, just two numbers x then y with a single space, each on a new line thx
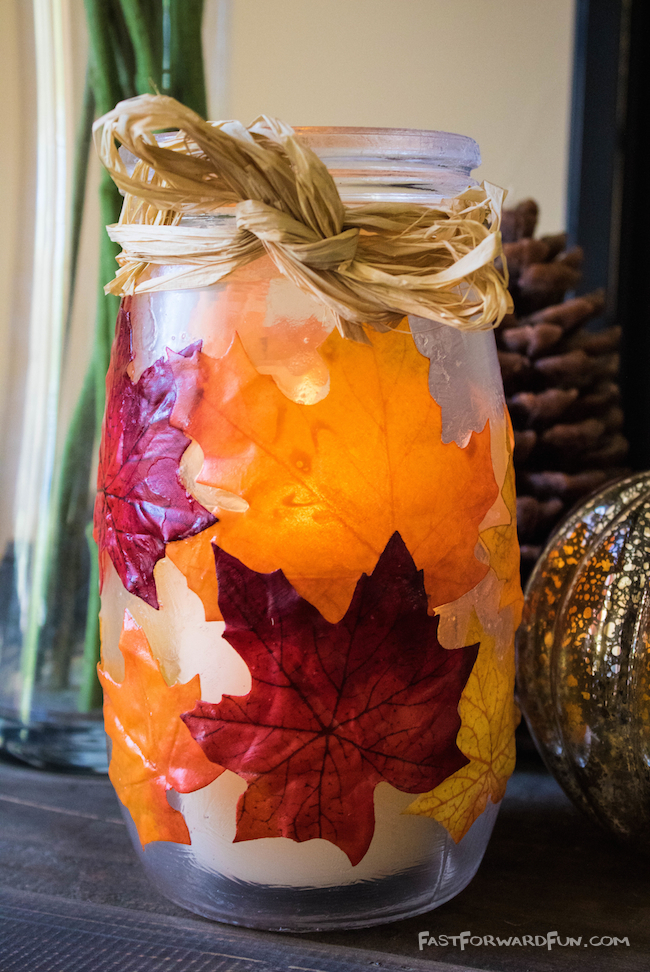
74 898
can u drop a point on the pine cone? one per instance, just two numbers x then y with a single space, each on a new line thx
560 381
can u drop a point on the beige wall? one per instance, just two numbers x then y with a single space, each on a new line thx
498 70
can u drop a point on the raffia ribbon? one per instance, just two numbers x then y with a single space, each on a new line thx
370 264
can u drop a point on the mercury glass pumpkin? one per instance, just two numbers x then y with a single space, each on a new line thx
584 657
310 586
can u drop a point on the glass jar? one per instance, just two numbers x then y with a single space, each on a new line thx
310 585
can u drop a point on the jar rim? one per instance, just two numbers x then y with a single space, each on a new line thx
445 148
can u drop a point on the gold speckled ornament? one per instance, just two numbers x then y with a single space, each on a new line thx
584 657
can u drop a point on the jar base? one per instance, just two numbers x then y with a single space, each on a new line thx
177 874
304 923
80 747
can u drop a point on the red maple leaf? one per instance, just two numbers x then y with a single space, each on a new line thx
141 503
334 708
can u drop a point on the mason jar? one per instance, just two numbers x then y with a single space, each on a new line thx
310 584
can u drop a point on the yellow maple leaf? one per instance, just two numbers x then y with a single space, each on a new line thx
489 717
503 546
327 484
153 750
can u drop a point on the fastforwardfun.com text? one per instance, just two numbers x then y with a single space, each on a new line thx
551 939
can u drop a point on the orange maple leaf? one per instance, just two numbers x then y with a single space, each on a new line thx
489 717
328 484
195 560
153 750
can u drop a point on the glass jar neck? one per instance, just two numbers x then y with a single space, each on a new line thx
369 165
394 164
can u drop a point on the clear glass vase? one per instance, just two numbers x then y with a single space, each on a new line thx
50 699
309 586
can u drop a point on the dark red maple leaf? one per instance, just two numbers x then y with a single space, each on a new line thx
141 503
334 708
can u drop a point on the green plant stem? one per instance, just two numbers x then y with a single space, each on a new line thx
148 70
186 54
90 693
108 76
107 307
122 51
110 203
103 65
67 565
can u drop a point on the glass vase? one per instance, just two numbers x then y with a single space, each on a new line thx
309 586
50 698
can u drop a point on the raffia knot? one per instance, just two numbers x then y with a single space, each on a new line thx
369 264
273 227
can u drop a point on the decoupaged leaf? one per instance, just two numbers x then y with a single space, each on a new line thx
487 738
327 484
141 503
503 547
153 751
334 708
194 557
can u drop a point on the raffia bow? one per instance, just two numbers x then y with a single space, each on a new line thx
370 264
